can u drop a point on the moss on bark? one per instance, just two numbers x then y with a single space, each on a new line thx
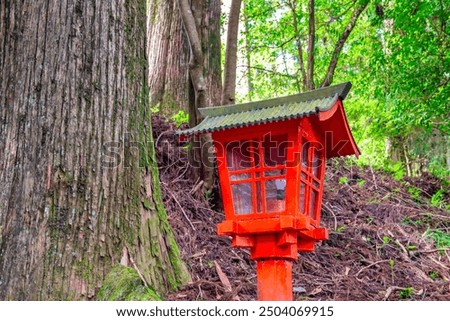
124 284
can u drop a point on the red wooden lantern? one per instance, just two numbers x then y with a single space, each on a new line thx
271 158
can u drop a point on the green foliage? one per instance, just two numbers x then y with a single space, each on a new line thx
414 192
391 263
361 182
408 221
155 109
397 58
406 293
343 180
397 170
408 76
441 239
437 199
180 118
434 275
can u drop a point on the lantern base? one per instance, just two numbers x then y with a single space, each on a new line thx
274 280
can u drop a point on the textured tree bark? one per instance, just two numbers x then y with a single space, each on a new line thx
229 72
79 182
201 21
168 57
169 79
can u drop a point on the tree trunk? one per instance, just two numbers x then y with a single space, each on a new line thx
328 80
298 41
248 57
80 185
229 72
201 21
168 57
169 80
311 44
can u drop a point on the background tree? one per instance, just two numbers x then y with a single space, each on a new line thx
80 188
411 82
168 58
229 72
299 43
186 73
201 21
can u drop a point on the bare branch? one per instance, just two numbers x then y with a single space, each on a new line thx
268 71
340 44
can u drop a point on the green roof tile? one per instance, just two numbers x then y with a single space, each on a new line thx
271 110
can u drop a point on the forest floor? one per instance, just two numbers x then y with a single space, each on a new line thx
389 239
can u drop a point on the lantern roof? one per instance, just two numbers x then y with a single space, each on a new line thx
268 111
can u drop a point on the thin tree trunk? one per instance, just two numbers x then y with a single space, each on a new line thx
77 169
328 80
293 6
311 45
248 59
229 80
192 24
201 23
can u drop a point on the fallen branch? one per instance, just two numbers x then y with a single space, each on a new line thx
370 265
373 177
225 281
332 213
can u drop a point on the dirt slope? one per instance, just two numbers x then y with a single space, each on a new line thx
380 248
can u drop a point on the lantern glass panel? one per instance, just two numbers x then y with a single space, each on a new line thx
258 197
312 203
237 177
242 198
305 155
301 199
275 195
315 162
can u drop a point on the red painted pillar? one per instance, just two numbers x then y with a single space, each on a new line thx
274 280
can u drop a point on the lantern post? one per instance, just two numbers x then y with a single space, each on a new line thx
271 159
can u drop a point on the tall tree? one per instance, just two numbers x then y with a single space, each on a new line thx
229 72
201 21
339 45
79 182
168 57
